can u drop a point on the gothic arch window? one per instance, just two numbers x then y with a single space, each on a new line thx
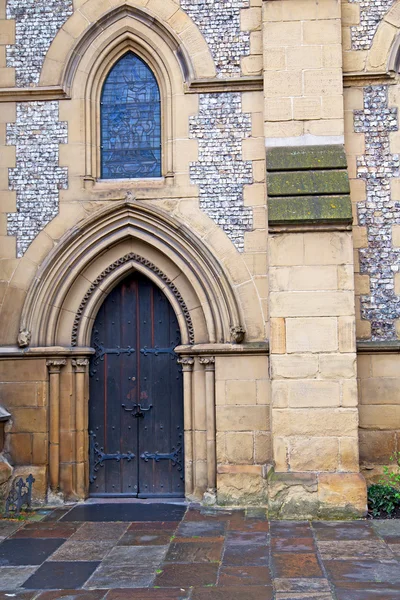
130 121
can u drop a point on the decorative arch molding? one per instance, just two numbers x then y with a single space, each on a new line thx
78 35
135 259
384 52
96 254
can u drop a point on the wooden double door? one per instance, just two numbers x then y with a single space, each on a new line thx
136 395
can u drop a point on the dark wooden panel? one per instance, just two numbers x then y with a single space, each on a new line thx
136 394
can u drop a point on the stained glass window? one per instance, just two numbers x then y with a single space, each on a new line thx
130 121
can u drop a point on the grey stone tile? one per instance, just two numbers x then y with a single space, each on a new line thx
14 577
301 585
137 556
100 531
112 576
79 551
342 550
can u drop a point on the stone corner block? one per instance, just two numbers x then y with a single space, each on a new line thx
342 495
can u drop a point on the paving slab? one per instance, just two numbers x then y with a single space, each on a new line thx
100 531
60 575
173 575
29 551
194 552
295 564
231 593
14 577
111 576
171 552
244 576
82 551
126 512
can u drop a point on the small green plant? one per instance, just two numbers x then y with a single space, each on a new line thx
392 477
384 496
383 500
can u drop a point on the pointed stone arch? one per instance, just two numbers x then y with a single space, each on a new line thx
84 28
96 254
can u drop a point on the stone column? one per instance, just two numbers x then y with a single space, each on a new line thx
311 291
209 365
81 451
54 366
187 363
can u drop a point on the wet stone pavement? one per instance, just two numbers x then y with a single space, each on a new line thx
173 552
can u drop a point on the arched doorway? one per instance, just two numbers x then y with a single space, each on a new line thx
136 395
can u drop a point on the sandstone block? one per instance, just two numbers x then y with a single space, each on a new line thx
312 335
29 420
342 493
337 366
322 32
323 82
280 394
300 366
304 57
282 34
242 418
250 19
262 448
275 59
384 365
314 454
307 304
347 334
241 367
23 370
292 496
278 109
241 488
240 392
349 457
328 248
376 447
380 390
278 336
20 448
349 392
305 422
303 278
263 391
379 417
21 394
283 84
39 448
345 277
311 393
239 448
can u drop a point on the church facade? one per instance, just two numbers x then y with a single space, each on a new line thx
200 250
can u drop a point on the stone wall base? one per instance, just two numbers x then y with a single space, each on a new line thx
296 495
317 496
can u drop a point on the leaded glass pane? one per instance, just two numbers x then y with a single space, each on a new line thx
130 121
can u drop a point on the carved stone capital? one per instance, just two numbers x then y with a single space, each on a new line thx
237 334
80 364
187 362
54 365
208 362
24 338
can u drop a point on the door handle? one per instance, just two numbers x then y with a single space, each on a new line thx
137 410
